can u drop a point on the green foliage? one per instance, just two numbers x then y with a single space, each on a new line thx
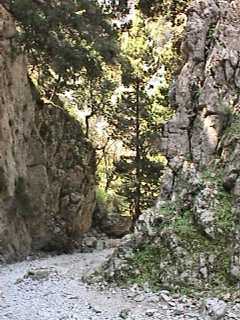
224 211
223 201
63 38
146 261
118 8
170 9
181 221
151 264
101 196
94 97
211 31
73 52
111 202
182 224
140 111
233 128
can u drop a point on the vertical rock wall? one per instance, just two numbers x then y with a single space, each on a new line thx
202 141
47 183
200 197
195 225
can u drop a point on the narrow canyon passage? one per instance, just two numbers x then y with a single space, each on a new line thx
120 119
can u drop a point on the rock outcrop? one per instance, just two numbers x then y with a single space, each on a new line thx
194 229
108 219
47 183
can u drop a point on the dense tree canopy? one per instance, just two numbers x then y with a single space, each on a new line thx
137 118
170 9
63 38
113 62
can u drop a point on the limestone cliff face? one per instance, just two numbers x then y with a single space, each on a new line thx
47 185
202 144
195 225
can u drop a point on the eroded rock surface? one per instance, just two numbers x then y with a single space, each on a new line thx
194 229
47 191
111 221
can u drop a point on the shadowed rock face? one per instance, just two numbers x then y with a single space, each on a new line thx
47 183
195 224
206 90
202 141
202 137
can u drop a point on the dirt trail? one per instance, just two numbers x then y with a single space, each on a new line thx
52 289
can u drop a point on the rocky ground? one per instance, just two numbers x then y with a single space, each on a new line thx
51 288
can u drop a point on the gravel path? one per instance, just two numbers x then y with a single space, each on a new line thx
51 289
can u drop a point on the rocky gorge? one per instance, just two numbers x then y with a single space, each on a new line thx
188 242
47 170
191 238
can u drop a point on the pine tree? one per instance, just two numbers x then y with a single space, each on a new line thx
170 9
137 118
63 38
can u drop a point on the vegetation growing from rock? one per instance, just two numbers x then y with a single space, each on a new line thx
154 88
178 253
74 56
148 264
